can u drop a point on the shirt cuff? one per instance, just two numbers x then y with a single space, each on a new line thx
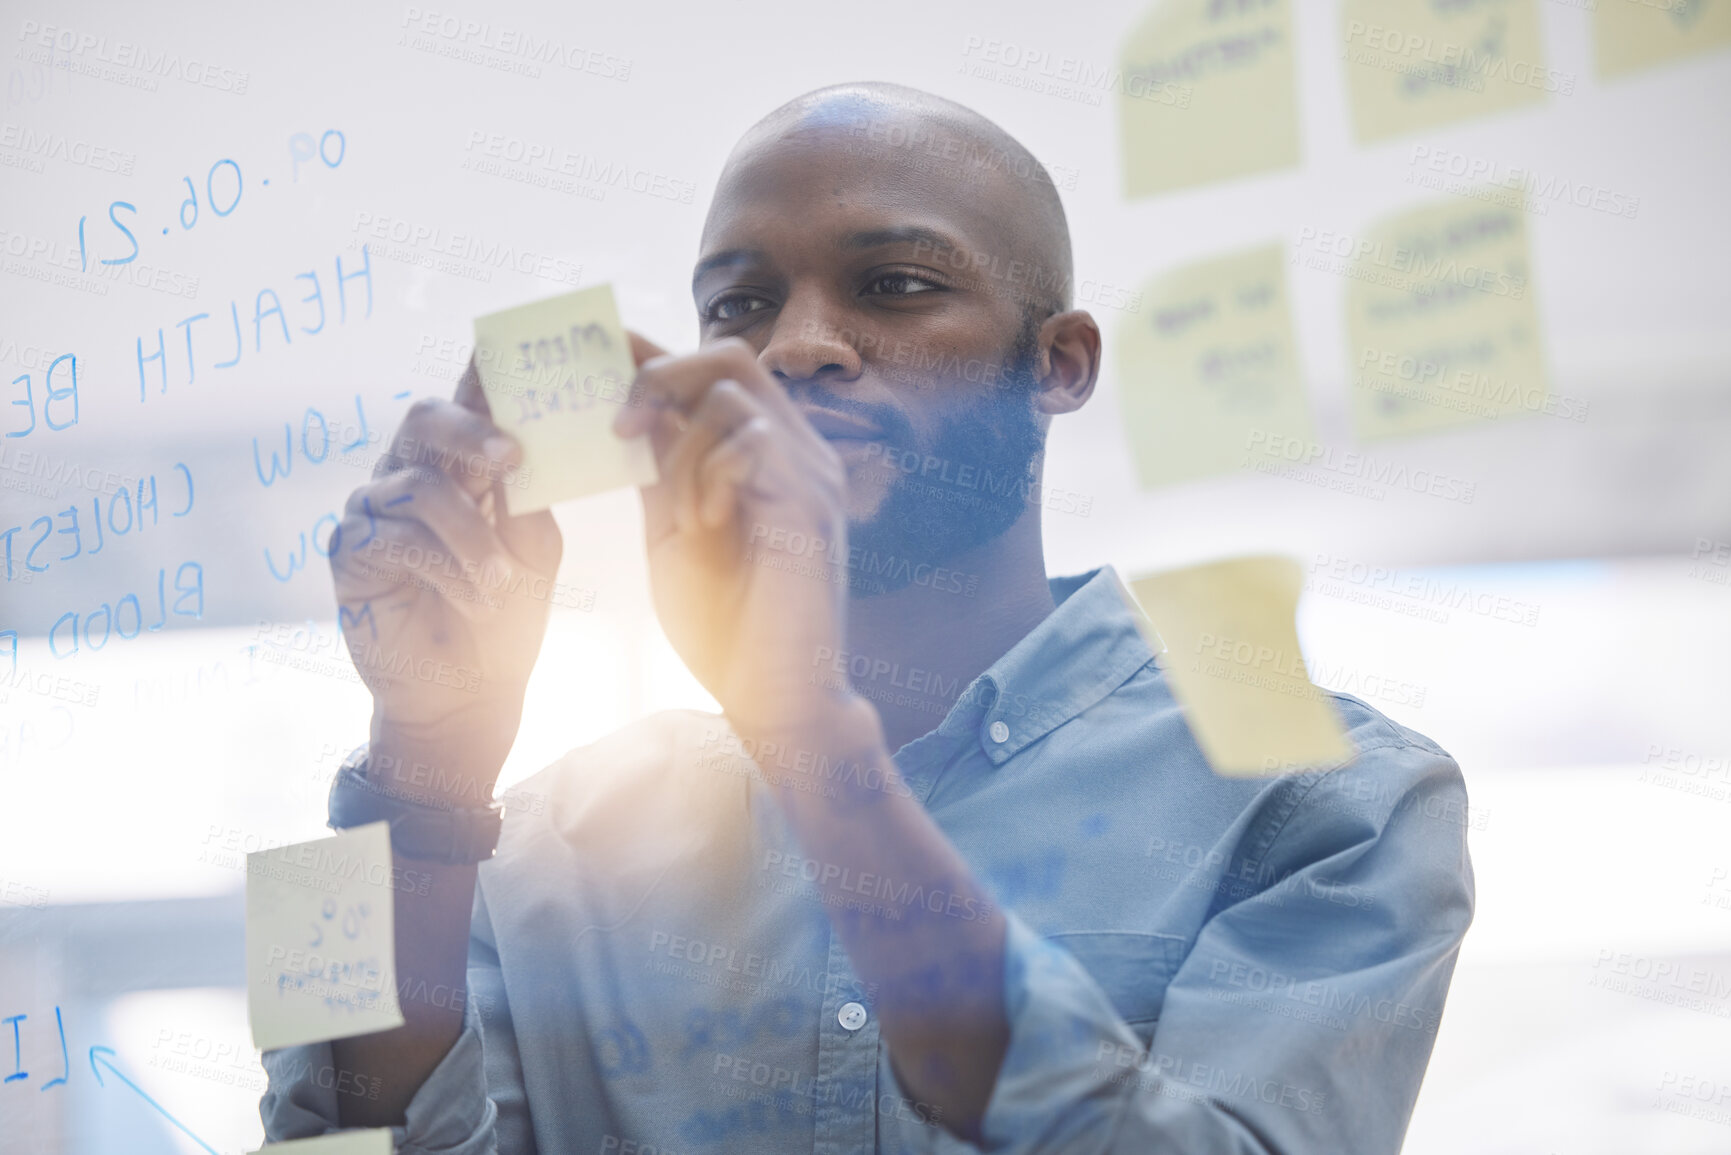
451 1114
1054 1092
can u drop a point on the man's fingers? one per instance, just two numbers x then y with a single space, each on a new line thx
447 510
533 538
729 468
643 349
679 383
469 392
401 557
722 410
464 445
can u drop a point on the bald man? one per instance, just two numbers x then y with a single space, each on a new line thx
949 873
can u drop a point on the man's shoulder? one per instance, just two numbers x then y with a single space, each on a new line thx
1393 769
1369 729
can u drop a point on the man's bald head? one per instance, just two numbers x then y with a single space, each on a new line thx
902 267
947 145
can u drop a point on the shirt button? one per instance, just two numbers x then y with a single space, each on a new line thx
999 731
852 1016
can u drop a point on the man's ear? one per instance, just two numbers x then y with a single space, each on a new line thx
1069 362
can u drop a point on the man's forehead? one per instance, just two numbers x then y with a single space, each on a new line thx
827 184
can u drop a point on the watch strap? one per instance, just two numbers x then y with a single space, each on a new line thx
457 835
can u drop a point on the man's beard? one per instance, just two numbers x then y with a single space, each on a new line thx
963 490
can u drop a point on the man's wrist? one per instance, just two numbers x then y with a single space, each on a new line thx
447 774
842 733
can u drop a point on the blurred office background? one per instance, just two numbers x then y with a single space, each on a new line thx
1558 617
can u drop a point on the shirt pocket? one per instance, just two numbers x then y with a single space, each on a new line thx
1132 968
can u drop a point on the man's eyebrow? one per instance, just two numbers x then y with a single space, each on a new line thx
901 235
725 258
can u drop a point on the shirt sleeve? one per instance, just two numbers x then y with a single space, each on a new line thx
1303 1016
472 1103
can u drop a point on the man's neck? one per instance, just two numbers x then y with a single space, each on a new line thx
913 652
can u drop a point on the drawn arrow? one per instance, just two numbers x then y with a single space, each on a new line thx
115 1071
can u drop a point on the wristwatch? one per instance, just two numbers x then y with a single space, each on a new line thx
456 836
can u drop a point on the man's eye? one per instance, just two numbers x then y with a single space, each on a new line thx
733 307
902 285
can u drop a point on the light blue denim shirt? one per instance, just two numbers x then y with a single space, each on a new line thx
1194 963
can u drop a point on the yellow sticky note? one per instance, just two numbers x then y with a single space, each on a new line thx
1442 327
373 1141
556 372
1233 660
320 951
1413 64
1207 361
1207 94
1629 35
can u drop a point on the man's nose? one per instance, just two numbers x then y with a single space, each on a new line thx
810 344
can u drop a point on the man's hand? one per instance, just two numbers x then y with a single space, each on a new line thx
741 466
444 599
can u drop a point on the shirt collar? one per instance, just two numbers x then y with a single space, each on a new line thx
1083 650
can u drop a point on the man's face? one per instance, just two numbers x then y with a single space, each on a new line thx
883 299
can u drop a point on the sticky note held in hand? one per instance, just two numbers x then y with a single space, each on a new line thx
556 373
375 1141
1233 660
320 946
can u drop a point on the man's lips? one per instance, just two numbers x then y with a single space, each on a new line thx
834 427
